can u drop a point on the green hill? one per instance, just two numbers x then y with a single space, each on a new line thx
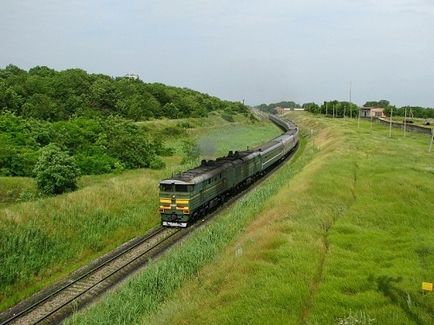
91 117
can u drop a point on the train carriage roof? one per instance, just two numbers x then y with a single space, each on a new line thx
207 169
212 168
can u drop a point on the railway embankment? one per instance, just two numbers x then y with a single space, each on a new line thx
407 126
342 233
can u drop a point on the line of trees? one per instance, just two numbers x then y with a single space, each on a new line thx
333 108
339 108
46 94
271 108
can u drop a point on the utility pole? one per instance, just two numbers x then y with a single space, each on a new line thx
326 105
405 119
351 111
432 140
358 118
390 125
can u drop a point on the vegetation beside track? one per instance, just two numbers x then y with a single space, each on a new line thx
341 235
45 238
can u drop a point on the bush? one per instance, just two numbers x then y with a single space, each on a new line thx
191 152
56 172
228 117
94 164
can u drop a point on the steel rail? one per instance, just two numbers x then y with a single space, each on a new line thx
108 276
96 268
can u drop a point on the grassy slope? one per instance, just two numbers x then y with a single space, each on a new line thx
348 237
50 237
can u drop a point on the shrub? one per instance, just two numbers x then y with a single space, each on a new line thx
228 117
98 163
56 172
191 152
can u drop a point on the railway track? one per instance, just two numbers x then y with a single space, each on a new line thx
55 306
57 303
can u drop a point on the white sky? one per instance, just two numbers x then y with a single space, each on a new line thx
263 51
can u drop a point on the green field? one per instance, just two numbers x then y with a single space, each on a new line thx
45 238
343 234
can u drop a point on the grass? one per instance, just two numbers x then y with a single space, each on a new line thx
342 235
15 189
44 239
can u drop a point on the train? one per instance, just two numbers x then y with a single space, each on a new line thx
189 195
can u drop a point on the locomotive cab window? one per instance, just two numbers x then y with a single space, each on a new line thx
181 188
166 187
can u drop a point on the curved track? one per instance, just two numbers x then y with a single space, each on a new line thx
53 306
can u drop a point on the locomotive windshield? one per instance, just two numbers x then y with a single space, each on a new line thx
181 188
175 188
166 187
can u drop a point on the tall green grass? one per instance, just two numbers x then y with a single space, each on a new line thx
343 235
16 189
44 239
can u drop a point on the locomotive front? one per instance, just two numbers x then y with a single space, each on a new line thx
175 198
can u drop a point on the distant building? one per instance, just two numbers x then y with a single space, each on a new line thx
372 112
132 76
281 110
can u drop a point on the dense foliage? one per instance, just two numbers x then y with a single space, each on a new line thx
380 103
334 108
410 111
46 94
90 117
56 172
98 145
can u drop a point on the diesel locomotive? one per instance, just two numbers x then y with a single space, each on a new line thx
191 194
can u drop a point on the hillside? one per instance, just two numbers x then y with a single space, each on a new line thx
341 234
91 117
46 94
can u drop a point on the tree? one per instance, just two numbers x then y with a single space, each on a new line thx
381 103
42 107
312 107
56 172
102 94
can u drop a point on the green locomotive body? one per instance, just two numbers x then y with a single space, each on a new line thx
189 195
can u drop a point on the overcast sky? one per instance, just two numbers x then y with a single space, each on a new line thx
263 51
